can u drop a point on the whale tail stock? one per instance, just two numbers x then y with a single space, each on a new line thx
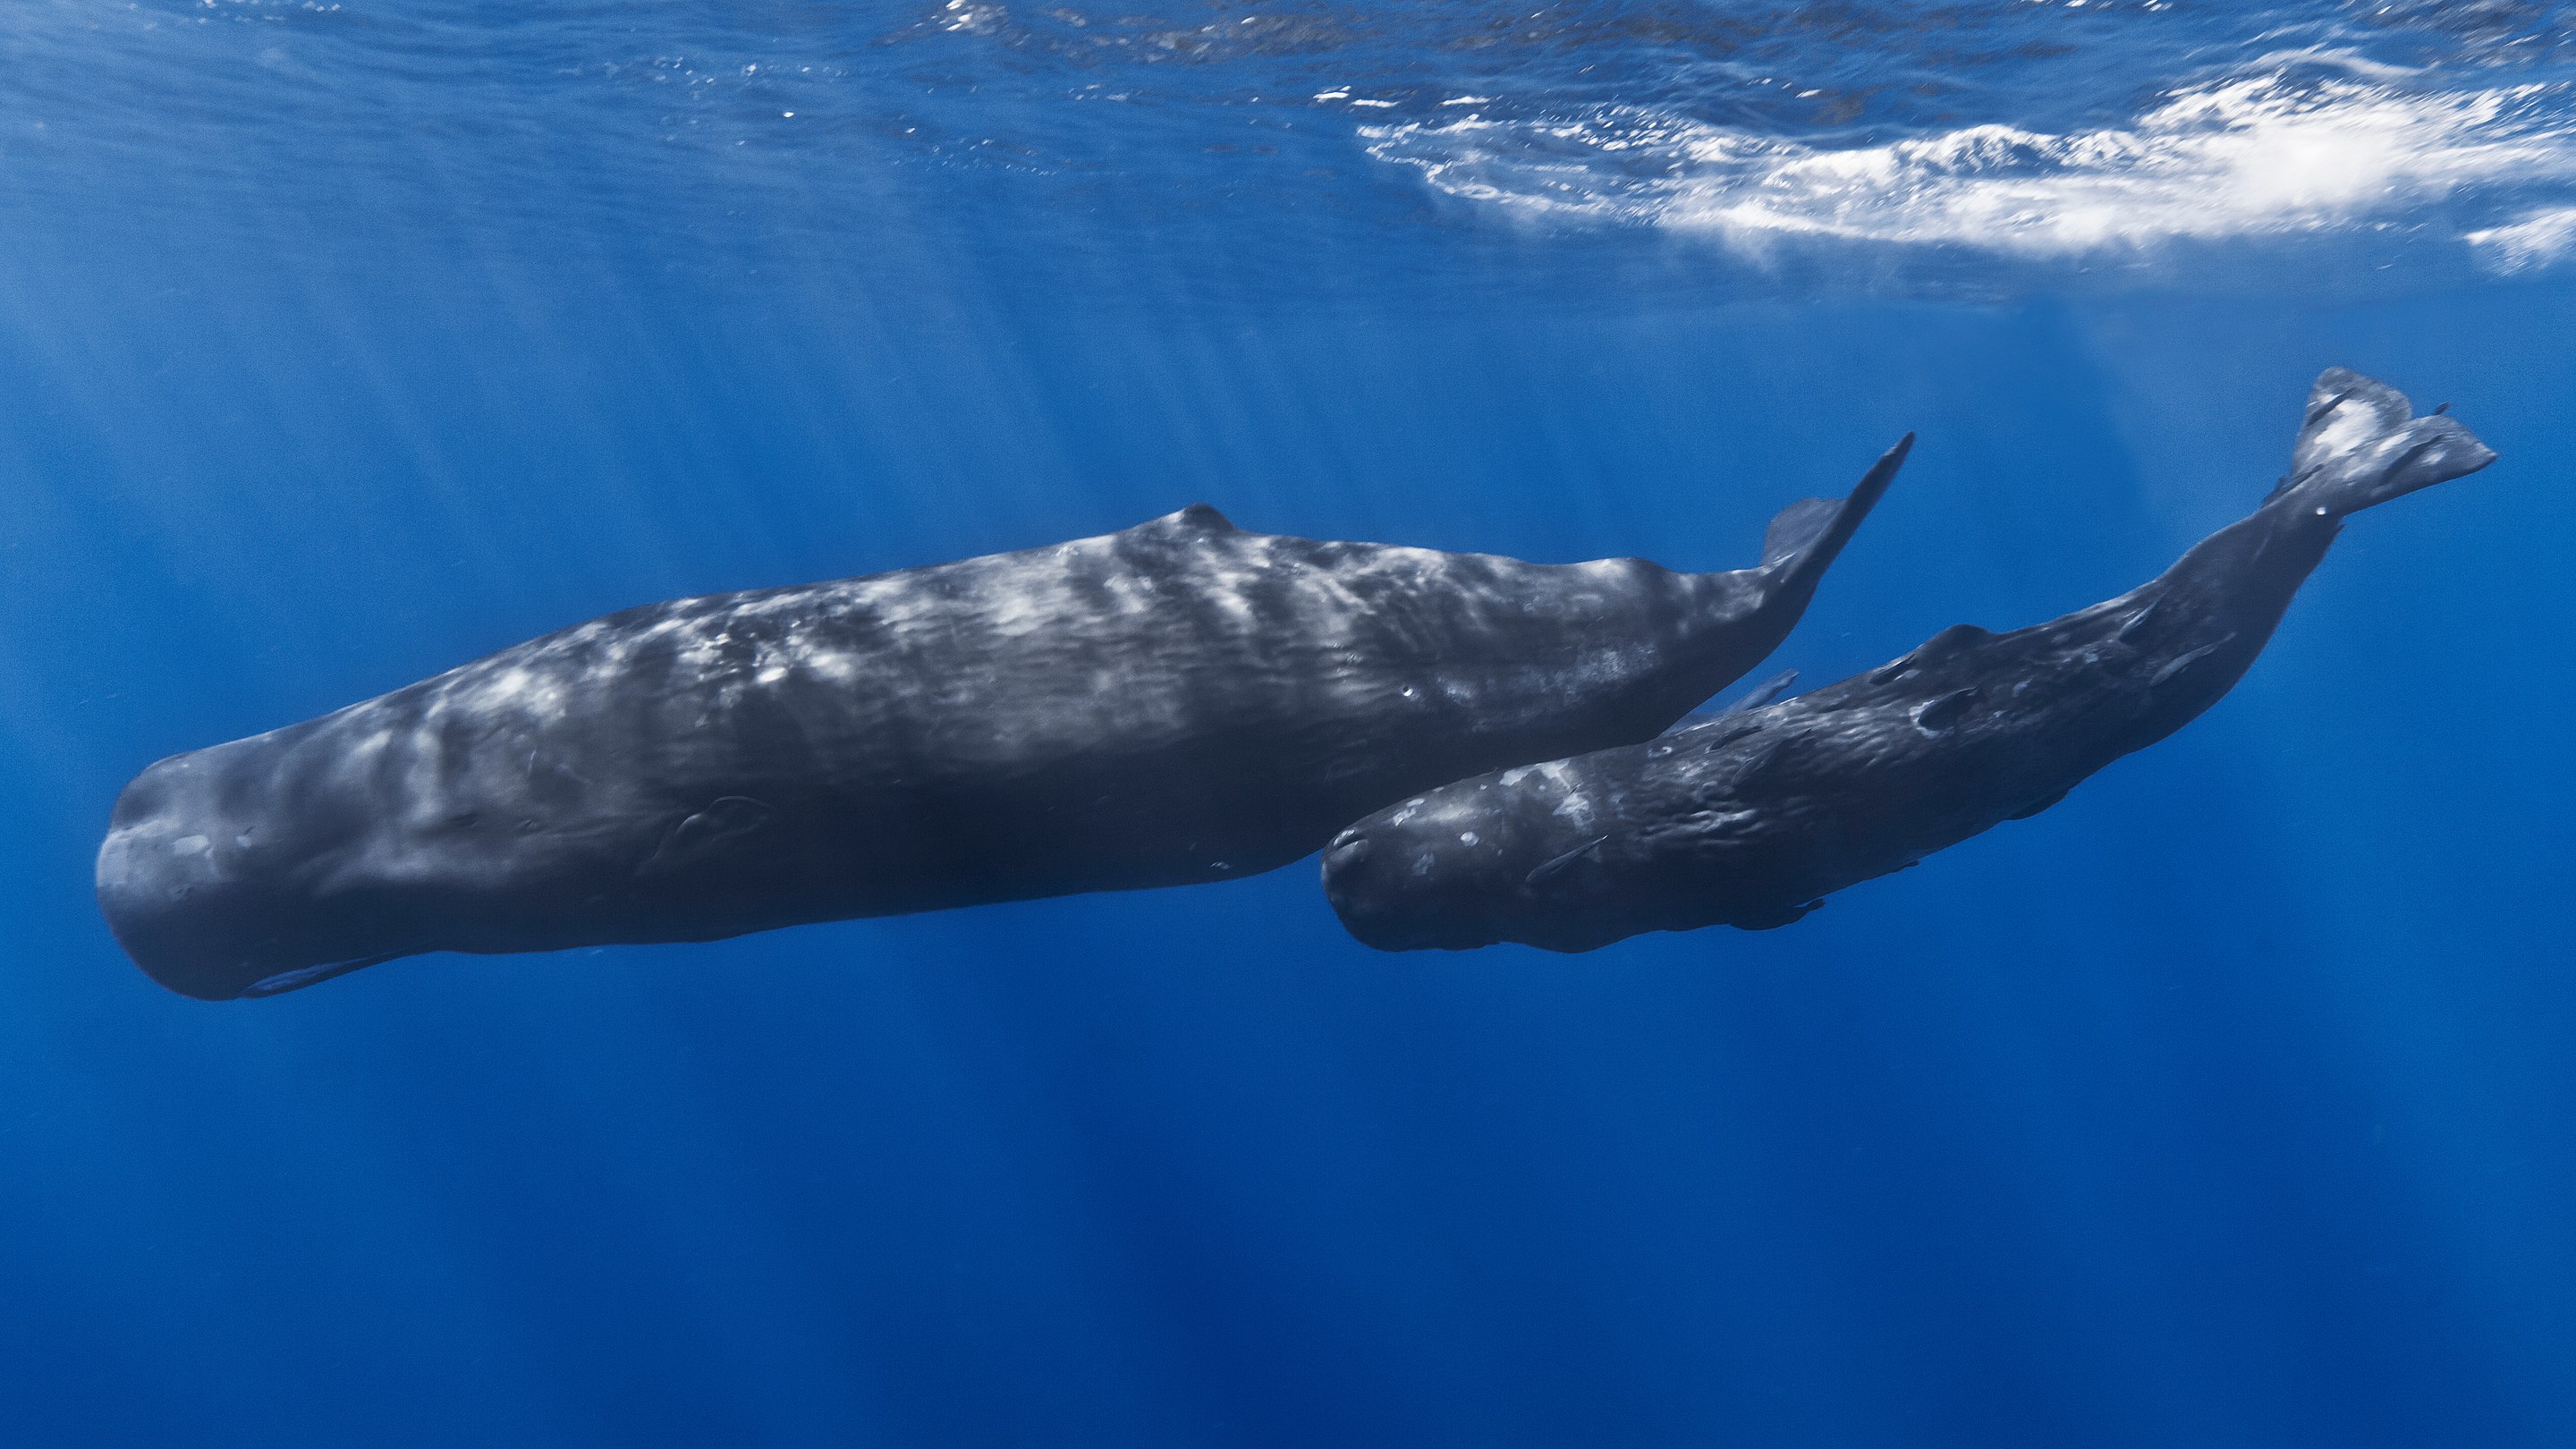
2361 444
1804 537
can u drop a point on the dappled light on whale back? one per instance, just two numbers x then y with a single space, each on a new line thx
1179 702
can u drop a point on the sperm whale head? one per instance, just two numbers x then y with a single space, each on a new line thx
210 887
1417 877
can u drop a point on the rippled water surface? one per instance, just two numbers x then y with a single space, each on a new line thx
1901 146
2227 1103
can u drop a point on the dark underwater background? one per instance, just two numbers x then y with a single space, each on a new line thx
2231 1102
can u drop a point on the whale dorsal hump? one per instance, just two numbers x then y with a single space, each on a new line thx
1198 518
1956 639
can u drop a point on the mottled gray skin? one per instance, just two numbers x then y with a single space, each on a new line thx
1750 819
1179 702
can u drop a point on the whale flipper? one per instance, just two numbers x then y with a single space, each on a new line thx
1752 699
706 834
1763 693
1787 916
285 981
1549 870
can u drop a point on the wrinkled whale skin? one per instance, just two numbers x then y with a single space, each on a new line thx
1752 818
1180 701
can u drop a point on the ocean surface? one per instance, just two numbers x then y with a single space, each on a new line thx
2230 1103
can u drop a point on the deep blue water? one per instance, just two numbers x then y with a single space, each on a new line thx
2228 1103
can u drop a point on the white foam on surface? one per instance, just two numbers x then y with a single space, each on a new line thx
2539 240
2244 157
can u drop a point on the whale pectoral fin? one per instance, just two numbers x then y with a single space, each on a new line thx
1789 917
1760 694
706 834
1558 865
2036 806
1752 699
302 976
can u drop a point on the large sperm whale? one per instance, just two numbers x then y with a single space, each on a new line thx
1753 817
1181 701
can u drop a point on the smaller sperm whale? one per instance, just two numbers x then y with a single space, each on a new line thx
1751 818
1177 702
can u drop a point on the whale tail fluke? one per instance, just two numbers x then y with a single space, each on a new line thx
2361 444
1805 536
